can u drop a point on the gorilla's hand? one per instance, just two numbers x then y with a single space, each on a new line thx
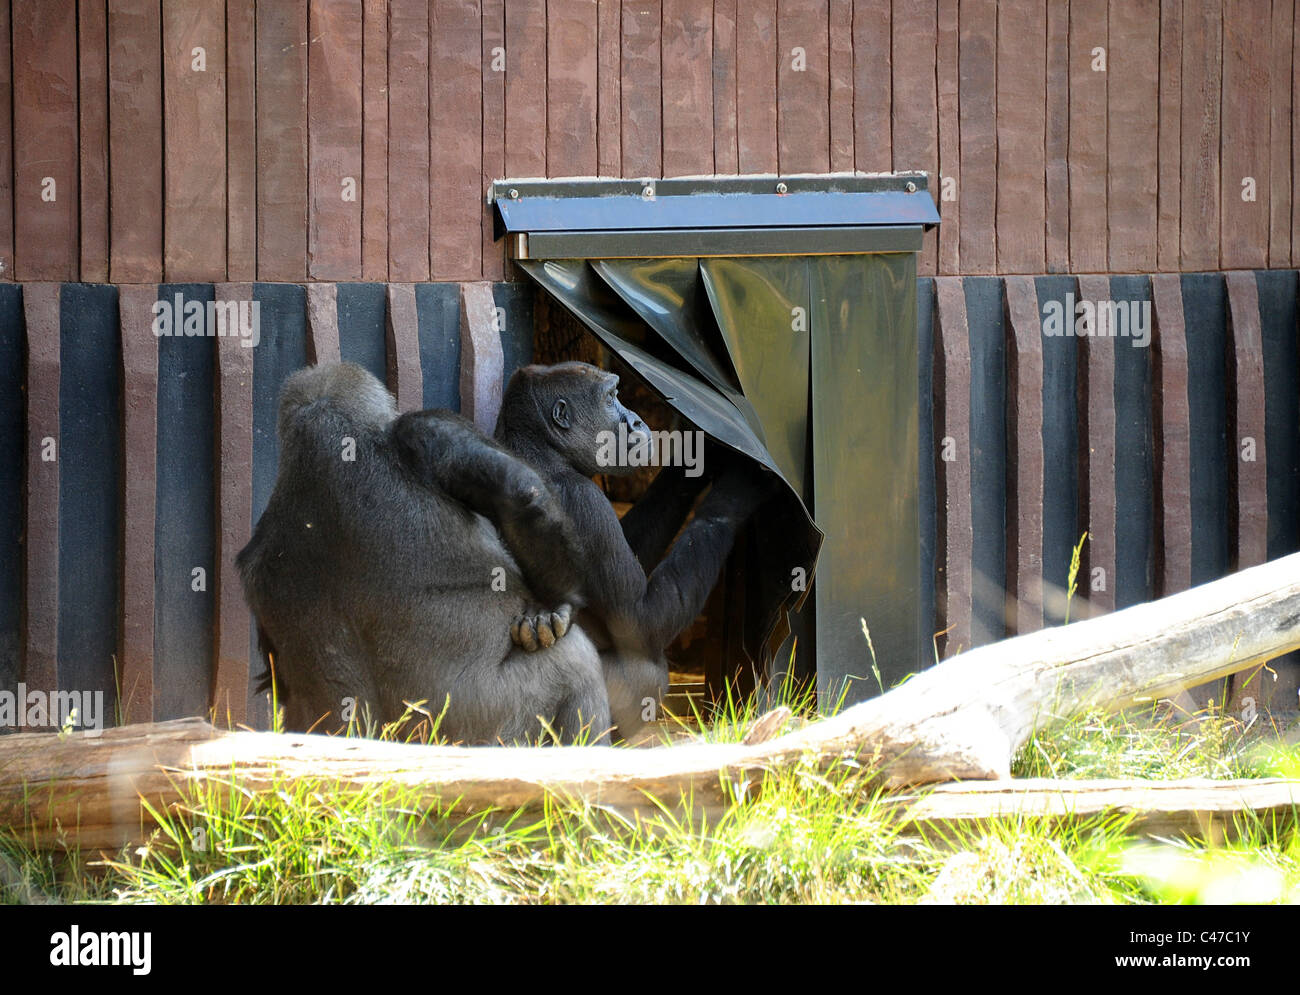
540 629
739 489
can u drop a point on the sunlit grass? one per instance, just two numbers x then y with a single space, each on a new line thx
801 834
1151 743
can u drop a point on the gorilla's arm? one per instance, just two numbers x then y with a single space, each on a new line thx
646 614
650 524
447 452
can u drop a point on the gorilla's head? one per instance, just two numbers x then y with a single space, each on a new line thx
573 408
344 395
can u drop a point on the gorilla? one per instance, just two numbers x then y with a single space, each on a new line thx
411 557
554 419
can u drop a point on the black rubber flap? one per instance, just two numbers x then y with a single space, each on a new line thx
656 316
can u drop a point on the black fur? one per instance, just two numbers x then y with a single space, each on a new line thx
373 583
551 418
372 579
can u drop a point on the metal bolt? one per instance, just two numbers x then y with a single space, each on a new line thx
514 194
782 188
911 187
648 190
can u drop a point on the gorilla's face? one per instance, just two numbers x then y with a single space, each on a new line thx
597 433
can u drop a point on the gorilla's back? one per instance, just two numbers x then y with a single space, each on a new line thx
358 569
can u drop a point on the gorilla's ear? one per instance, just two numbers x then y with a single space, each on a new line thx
560 413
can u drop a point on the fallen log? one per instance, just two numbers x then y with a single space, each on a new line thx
963 719
1197 808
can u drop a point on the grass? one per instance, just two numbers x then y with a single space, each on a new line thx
807 836
1148 743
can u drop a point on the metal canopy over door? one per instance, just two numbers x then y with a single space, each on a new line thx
783 325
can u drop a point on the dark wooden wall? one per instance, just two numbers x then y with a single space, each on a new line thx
1052 163
135 466
167 455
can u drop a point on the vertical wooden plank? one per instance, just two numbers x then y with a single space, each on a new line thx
1057 139
1295 150
6 149
41 569
1172 438
526 88
989 454
1022 122
571 50
954 533
609 102
282 141
194 101
1170 136
374 138
1025 466
322 323
231 659
726 148
688 88
915 113
92 60
13 451
1244 175
977 101
241 140
873 81
946 55
140 441
1061 525
334 168
1097 454
1089 55
402 334
803 86
434 347
1247 462
185 514
456 132
494 128
45 140
1132 118
1202 74
841 85
135 142
359 311
408 139
1280 136
642 105
756 60
90 490
481 358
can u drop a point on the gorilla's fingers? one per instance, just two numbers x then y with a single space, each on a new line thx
560 620
529 635
541 629
544 632
523 633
